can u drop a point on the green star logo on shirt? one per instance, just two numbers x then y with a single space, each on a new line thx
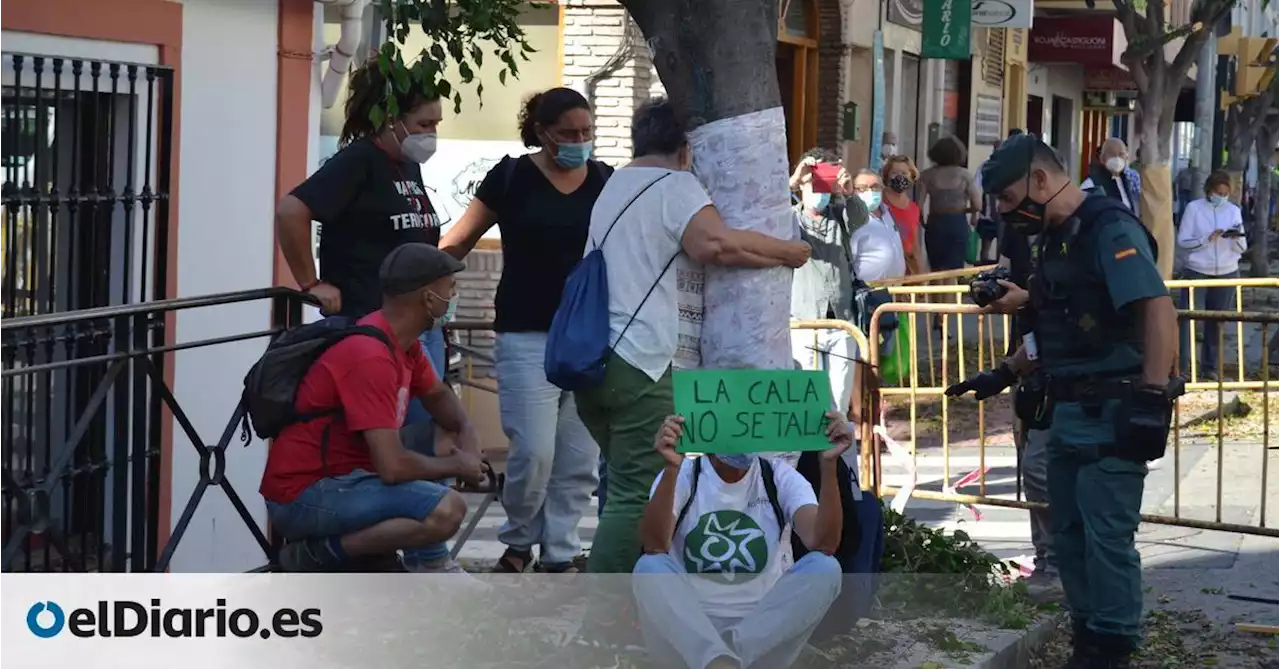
727 547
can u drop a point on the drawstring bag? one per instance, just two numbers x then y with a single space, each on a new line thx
578 341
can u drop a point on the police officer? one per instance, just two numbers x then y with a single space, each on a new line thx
1105 337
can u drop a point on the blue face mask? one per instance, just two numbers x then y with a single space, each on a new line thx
738 460
1217 200
570 155
870 198
817 201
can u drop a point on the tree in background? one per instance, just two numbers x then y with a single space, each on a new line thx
1159 81
1249 122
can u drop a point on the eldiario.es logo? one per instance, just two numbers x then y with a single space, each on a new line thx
124 618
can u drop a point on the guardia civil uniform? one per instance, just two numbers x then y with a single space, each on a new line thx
1090 270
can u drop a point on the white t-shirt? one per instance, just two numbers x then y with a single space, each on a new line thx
877 249
730 534
667 328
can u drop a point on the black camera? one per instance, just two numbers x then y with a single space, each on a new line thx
985 287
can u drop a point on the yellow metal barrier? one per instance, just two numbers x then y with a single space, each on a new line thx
1181 287
914 390
860 340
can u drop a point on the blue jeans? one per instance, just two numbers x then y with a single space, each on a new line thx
679 633
432 342
1212 299
339 505
551 467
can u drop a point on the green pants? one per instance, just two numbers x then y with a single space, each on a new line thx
1095 504
624 414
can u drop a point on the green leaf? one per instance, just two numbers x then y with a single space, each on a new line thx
960 535
401 77
502 76
377 116
437 52
480 93
443 88
457 103
465 72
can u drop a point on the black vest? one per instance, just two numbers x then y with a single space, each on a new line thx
1074 316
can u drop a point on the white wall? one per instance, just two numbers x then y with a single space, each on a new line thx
1065 81
225 243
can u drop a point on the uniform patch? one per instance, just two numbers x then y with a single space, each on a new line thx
1121 255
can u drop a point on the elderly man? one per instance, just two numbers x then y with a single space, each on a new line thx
1112 176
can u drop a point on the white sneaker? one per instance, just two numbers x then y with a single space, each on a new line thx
1153 465
450 567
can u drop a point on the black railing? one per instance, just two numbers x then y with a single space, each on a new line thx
81 474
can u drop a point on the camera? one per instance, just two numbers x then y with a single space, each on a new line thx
985 287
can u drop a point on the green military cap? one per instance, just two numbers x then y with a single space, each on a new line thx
1008 163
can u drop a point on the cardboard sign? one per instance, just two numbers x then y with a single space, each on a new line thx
752 410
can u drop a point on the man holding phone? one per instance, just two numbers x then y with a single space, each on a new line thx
823 288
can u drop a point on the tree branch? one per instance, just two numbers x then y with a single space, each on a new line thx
1211 12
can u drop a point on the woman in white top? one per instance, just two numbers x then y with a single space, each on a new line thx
666 230
713 588
1211 235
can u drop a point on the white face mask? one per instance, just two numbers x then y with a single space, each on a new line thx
418 147
1116 164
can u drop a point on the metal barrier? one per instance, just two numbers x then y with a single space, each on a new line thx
958 294
87 403
859 340
948 494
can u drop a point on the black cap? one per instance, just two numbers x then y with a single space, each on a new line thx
411 266
1010 162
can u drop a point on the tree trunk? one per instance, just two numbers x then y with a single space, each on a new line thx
716 61
1240 137
1154 120
1259 235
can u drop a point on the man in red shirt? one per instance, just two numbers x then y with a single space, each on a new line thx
347 486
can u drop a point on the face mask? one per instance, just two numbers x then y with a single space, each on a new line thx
1028 217
888 150
450 312
418 147
572 155
737 461
1116 164
899 183
817 201
1217 200
870 198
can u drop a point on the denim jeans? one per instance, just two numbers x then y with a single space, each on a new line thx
551 467
338 505
432 342
679 633
1212 299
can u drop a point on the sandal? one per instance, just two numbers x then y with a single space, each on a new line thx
514 561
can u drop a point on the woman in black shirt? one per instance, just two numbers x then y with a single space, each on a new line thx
541 203
369 198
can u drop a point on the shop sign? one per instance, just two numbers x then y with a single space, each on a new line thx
946 29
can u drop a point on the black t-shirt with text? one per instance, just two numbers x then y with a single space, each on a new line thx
543 232
367 205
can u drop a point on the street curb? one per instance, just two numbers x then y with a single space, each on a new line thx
1017 655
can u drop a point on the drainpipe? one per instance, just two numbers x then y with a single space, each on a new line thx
624 47
341 54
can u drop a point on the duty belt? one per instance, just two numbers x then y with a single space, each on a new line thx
1089 389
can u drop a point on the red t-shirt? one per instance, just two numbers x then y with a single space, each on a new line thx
371 387
908 220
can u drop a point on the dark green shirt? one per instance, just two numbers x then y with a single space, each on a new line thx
1122 259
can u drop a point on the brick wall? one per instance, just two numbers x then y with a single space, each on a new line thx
594 35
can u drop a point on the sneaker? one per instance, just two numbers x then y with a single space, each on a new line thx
1153 465
450 567
1044 588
